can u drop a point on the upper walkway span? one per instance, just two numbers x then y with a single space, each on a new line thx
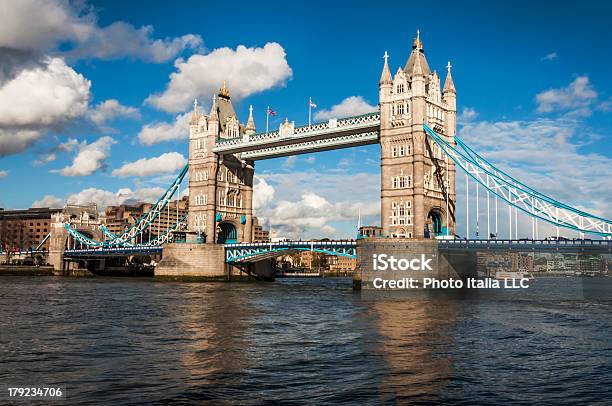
289 140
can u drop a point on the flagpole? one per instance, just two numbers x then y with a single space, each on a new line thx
309 110
267 117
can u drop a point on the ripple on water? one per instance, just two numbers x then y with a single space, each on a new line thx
134 341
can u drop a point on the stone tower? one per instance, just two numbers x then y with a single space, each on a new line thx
417 179
220 187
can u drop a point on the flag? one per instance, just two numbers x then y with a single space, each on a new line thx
312 105
271 112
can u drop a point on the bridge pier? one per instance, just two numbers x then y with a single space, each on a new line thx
441 263
192 260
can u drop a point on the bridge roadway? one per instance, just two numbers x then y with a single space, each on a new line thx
251 252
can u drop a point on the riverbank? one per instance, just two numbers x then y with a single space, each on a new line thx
26 270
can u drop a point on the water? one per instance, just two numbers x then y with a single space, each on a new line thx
314 341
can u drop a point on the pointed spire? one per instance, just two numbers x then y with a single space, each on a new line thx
418 44
223 92
385 77
195 116
250 127
449 86
213 110
417 68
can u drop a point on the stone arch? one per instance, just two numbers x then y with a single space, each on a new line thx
436 220
227 233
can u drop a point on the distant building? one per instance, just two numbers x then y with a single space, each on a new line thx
370 231
338 263
27 228
259 234
120 218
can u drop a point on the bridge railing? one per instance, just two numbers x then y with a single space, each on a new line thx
293 243
330 126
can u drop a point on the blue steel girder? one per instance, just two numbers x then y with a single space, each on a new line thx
517 194
126 238
256 252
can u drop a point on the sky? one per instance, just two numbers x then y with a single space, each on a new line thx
95 96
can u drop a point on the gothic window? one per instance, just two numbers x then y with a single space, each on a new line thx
231 200
220 176
400 108
200 200
395 182
401 150
402 182
408 181
393 152
400 88
409 149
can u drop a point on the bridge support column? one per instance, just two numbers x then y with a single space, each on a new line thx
190 260
57 244
440 264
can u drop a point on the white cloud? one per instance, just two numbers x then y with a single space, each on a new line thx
605 105
263 193
121 39
53 23
3 174
161 131
40 25
49 201
90 158
38 97
44 95
351 106
290 161
549 57
287 203
467 114
111 109
169 162
102 198
45 159
577 97
14 141
246 70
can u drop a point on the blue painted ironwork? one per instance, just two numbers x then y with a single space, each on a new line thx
519 195
139 227
251 252
525 245
114 251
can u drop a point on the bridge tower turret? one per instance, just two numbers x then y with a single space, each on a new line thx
416 179
220 187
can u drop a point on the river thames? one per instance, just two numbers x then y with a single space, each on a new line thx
302 341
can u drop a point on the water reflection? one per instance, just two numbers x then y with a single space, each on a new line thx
214 321
416 333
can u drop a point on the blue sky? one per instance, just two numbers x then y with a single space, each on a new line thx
503 54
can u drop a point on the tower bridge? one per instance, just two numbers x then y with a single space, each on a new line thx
415 126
